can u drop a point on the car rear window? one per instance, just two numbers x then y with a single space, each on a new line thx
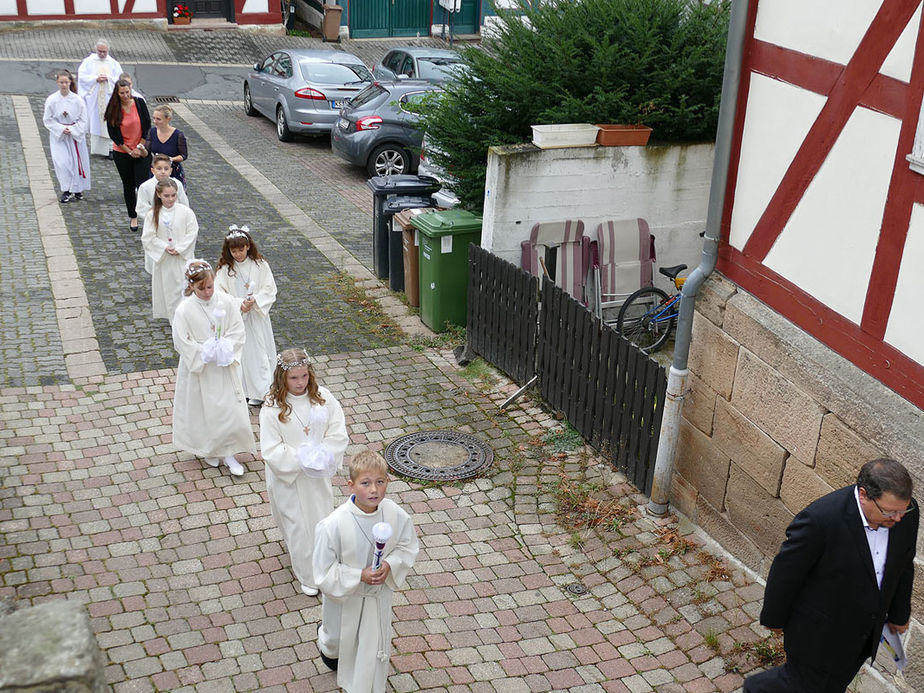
335 73
431 67
370 93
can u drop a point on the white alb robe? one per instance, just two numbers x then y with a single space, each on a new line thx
68 152
210 416
96 95
298 502
356 621
145 200
259 358
168 275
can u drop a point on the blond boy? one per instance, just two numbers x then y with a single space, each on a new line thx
354 636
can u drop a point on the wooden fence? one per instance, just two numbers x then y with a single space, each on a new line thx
503 310
611 392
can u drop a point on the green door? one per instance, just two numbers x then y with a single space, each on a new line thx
380 18
466 20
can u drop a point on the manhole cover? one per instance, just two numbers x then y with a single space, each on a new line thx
577 588
438 455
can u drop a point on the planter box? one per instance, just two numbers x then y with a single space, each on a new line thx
181 20
623 135
564 135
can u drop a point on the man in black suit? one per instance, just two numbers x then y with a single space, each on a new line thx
845 569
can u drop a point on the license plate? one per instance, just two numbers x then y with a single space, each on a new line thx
343 124
336 105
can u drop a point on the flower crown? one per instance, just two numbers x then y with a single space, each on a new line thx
286 365
235 231
194 268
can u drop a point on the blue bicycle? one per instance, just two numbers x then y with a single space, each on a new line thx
648 316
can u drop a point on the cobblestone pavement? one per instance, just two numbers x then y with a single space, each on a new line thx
30 348
308 312
189 588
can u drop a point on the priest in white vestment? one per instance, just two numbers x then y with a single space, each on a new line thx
355 632
96 78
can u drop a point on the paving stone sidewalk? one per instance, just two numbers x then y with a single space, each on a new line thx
189 587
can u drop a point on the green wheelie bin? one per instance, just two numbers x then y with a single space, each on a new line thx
443 253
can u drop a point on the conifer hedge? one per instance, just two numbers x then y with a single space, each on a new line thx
656 62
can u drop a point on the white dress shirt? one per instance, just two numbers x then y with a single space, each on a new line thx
878 540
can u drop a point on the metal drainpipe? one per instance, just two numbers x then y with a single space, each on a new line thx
677 376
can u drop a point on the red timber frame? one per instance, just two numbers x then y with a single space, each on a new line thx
858 83
127 13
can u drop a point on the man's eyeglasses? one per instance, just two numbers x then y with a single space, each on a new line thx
890 513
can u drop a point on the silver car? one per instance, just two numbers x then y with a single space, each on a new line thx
434 65
302 90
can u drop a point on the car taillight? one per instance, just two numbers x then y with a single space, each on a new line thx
309 93
368 123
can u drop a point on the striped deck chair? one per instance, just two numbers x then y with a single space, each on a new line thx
619 256
555 248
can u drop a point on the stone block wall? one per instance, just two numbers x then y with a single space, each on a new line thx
773 420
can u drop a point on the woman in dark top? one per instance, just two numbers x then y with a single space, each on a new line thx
163 138
127 120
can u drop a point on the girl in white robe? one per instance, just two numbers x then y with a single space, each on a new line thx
169 241
244 274
210 416
66 119
299 413
355 633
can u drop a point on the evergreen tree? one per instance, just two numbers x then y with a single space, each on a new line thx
655 62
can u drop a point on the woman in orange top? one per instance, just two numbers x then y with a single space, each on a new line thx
127 120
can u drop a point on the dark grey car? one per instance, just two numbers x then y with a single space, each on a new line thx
378 129
302 90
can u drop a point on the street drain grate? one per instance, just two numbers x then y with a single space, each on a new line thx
577 588
166 99
438 455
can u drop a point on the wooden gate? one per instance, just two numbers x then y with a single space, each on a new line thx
610 391
381 18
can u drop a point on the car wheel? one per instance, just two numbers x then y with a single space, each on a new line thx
282 127
248 102
387 160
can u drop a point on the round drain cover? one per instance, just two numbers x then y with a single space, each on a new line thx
438 455
577 588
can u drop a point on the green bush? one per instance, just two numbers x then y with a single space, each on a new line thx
656 62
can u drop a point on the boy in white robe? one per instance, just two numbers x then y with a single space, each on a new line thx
354 636
161 169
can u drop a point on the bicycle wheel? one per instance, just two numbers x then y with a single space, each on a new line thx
643 319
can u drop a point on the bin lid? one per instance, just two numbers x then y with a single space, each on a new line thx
446 222
403 184
398 202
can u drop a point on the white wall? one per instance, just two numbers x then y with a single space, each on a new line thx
666 185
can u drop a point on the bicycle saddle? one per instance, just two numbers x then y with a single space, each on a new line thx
672 271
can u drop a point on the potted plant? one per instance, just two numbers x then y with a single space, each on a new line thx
181 14
623 135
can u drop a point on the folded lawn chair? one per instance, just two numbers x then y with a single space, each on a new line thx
555 249
618 256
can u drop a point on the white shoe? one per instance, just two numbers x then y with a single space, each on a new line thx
212 461
310 591
235 467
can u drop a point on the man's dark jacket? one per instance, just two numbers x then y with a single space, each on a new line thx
822 588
